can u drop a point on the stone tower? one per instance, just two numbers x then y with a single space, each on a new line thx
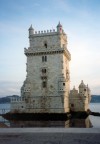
47 85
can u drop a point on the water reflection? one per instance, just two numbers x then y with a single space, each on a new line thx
75 123
81 123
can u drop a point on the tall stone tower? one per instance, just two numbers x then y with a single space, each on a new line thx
47 85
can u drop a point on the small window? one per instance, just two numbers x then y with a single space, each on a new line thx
45 45
43 77
44 84
63 84
84 89
72 105
44 70
44 58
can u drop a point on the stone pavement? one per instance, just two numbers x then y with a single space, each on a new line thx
49 136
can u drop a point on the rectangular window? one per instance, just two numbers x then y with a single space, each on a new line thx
44 70
44 84
44 58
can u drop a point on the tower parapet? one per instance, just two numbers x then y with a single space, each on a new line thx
47 42
59 30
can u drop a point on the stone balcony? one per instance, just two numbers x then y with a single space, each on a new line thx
38 51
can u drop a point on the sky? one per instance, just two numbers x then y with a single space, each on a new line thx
81 22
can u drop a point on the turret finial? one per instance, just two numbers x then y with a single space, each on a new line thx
31 27
31 30
59 24
59 28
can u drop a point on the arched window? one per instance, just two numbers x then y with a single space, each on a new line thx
45 44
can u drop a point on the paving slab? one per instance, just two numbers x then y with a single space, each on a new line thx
49 136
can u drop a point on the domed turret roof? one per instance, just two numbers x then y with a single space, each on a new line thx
82 84
88 88
74 88
31 28
59 25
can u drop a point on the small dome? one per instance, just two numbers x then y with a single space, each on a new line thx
88 88
82 84
59 25
74 88
31 28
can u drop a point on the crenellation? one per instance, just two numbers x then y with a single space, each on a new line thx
44 32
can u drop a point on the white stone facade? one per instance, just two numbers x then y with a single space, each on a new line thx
47 85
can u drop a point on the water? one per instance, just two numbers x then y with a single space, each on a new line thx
95 120
89 122
4 108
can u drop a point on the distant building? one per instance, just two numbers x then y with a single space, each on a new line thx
46 88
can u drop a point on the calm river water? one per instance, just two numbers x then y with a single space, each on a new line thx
89 122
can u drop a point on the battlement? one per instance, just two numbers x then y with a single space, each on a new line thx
20 99
44 33
47 32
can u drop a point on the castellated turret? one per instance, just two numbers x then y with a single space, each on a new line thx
31 31
79 100
59 28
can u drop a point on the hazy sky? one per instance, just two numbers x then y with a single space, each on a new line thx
81 22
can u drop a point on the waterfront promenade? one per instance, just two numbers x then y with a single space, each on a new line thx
49 135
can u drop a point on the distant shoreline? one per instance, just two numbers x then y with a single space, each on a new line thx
6 99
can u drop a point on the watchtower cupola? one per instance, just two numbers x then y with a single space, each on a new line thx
59 28
31 31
